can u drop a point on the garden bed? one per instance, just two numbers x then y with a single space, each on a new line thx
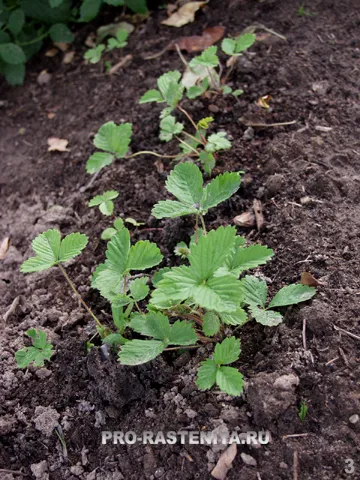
306 176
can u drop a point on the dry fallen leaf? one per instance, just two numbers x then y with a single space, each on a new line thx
68 57
91 40
52 52
185 14
263 102
246 219
224 463
57 144
308 279
5 244
197 43
62 46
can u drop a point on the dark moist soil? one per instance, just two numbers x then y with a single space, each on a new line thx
313 79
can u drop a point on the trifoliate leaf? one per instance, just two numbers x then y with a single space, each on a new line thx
172 209
211 251
228 351
139 288
169 127
228 46
254 290
98 160
93 55
242 259
136 352
182 333
143 254
152 96
268 318
153 324
208 58
206 376
185 183
216 142
236 318
61 33
230 380
104 202
211 324
114 138
72 245
40 350
291 295
220 189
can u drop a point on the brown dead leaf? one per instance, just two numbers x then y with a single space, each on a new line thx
184 15
57 144
4 247
91 40
68 57
263 102
246 219
308 279
62 46
197 43
159 166
51 52
224 463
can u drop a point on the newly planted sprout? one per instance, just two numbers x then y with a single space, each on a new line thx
37 353
105 202
94 55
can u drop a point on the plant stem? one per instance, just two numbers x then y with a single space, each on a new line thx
186 144
179 348
212 80
188 116
203 224
73 288
34 40
124 284
197 229
192 137
149 152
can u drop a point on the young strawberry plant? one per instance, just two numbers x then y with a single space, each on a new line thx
105 202
37 353
94 55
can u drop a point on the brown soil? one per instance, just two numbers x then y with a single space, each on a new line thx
313 79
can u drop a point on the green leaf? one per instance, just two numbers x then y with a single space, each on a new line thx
93 55
114 138
120 300
119 224
108 233
208 58
139 288
176 285
228 351
254 290
243 259
133 222
107 207
243 42
211 251
207 161
226 90
216 142
151 96
182 250
47 247
169 127
204 123
182 333
194 92
72 245
153 324
104 201
42 11
159 275
206 376
55 3
172 209
40 350
268 318
61 33
89 10
12 53
114 339
238 92
238 317
137 6
16 21
220 189
15 74
118 251
222 294
230 380
228 46
115 3
143 254
291 295
136 352
211 324
170 88
185 183
118 318
109 282
98 160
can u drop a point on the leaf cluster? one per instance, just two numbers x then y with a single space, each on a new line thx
37 353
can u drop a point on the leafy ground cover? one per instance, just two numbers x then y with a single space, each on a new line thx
305 176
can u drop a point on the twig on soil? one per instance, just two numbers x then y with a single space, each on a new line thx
331 361
249 123
258 475
269 30
12 308
295 435
88 185
343 356
352 335
120 64
259 217
296 465
13 472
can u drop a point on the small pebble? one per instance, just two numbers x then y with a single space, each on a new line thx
354 419
248 460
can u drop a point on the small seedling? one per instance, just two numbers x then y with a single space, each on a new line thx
40 350
94 55
105 202
303 410
305 12
108 233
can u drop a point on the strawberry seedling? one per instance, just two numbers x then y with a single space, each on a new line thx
37 353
